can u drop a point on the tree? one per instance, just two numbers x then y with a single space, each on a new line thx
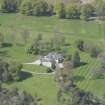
76 59
102 11
53 64
95 51
80 45
9 71
0 86
85 98
42 47
68 57
51 10
25 36
26 7
39 37
99 72
86 11
10 5
5 76
13 34
57 41
37 46
99 6
60 10
72 11
14 70
16 97
40 8
1 39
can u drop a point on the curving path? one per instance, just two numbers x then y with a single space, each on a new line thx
33 73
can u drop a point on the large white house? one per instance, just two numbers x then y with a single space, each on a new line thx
48 59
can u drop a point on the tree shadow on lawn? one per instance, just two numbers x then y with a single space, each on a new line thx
83 63
78 78
99 78
20 44
7 45
24 75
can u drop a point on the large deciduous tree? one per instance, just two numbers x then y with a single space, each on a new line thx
10 5
100 8
26 7
86 11
60 10
73 11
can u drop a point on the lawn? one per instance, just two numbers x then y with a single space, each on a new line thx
45 86
35 68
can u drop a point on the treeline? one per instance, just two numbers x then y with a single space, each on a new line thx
27 7
71 10
16 97
77 10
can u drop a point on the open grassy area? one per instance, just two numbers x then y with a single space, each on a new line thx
35 68
45 86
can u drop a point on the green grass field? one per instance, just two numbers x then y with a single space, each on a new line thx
45 86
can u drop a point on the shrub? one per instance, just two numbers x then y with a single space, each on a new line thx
95 51
80 45
76 59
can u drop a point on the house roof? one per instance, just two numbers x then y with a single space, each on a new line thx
53 56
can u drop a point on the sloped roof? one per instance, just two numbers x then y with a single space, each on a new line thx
52 56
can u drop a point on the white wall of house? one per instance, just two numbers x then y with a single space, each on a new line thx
46 64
